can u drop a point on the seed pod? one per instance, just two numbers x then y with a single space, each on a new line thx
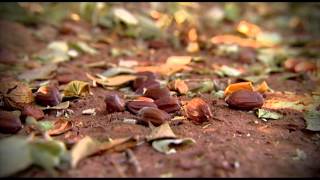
157 93
32 110
48 96
114 103
135 106
168 103
245 100
198 111
10 122
154 115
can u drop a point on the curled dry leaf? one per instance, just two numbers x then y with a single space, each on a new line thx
265 114
238 86
262 88
76 89
63 105
60 126
197 110
162 132
179 85
179 60
231 39
119 80
163 145
15 94
249 29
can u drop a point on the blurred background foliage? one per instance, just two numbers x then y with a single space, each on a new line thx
156 20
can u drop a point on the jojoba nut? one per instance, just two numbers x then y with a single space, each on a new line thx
32 110
154 115
245 100
114 103
48 96
135 106
168 103
10 122
198 111
157 93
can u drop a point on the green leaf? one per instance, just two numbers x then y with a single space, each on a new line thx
48 153
219 94
163 145
205 87
265 114
269 38
231 11
41 125
116 71
312 120
14 155
125 16
76 89
228 71
84 47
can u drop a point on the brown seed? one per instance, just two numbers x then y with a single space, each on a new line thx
245 100
48 96
142 83
198 111
304 66
156 93
153 115
135 106
291 63
32 110
169 104
114 103
10 122
141 98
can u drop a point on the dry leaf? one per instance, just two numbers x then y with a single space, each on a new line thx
76 89
249 29
179 85
63 105
237 86
60 126
161 132
262 88
41 73
164 144
179 60
119 80
231 39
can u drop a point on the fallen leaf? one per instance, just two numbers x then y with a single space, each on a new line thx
269 39
179 60
41 73
91 111
238 86
163 145
116 71
296 105
48 153
312 120
180 86
76 89
249 29
60 126
89 146
205 87
262 88
119 80
127 63
228 71
231 39
161 132
83 148
84 47
265 114
15 153
125 16
63 105
41 126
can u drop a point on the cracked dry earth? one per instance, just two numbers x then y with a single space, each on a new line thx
233 143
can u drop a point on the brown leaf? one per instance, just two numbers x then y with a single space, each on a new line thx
60 126
179 85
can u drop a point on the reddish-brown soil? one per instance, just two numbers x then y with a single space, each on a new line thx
233 143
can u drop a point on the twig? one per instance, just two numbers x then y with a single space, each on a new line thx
119 169
133 160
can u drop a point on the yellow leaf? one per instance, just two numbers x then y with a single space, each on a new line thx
76 89
119 80
183 60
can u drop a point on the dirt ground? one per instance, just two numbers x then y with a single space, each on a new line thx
233 143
